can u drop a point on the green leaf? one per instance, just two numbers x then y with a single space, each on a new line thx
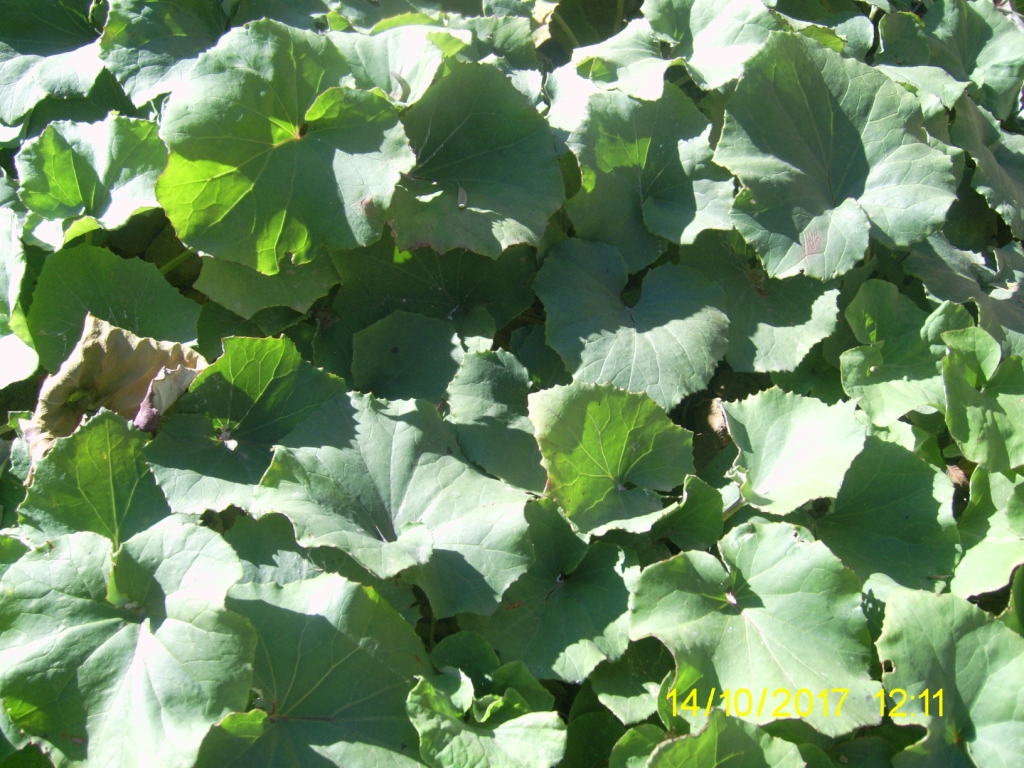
606 452
128 293
385 483
334 665
793 449
245 291
726 741
164 656
151 47
20 359
95 480
667 344
695 522
714 38
782 612
943 643
629 686
899 368
402 61
999 156
486 175
106 171
62 62
457 286
468 652
952 274
488 401
988 425
590 739
271 163
1012 616
534 740
406 356
630 62
380 279
213 451
973 41
635 746
936 89
829 150
992 531
646 168
894 516
568 612
773 324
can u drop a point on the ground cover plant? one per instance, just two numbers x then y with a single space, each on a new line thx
512 384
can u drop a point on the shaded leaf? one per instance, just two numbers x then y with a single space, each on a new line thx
782 612
127 293
666 344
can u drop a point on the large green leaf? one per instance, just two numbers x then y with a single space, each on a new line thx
606 451
793 449
333 667
943 643
20 358
714 38
459 286
829 150
401 61
772 323
486 174
213 451
505 735
95 480
985 413
666 344
953 274
630 61
894 516
970 39
999 156
899 368
726 741
106 170
992 531
488 404
568 612
46 49
150 47
269 553
629 685
128 293
380 279
646 168
406 356
89 646
782 612
246 291
271 162
385 483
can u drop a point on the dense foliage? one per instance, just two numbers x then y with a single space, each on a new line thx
511 384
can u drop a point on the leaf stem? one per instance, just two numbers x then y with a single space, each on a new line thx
733 508
565 28
175 262
618 16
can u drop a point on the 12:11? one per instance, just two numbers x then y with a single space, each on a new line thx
924 697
